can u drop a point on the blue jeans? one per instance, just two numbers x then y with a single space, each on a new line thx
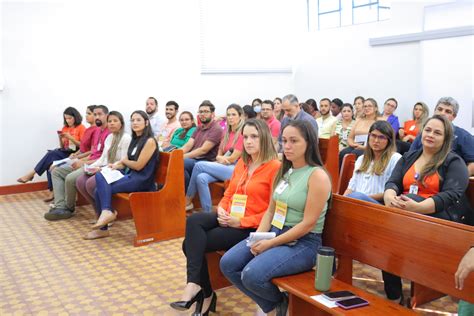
362 197
205 172
253 274
188 170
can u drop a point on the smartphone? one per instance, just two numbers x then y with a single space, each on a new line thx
338 295
352 303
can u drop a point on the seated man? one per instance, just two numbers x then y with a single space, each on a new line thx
64 177
273 124
326 121
205 141
168 128
463 142
291 107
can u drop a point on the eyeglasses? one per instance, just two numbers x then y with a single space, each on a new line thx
204 112
368 106
378 137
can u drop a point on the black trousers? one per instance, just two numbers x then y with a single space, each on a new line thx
203 234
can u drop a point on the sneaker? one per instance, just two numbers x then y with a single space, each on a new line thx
57 214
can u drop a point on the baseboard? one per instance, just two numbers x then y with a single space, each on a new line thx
23 188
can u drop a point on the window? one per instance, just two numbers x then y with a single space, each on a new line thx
337 13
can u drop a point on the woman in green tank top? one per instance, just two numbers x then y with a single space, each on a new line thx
296 215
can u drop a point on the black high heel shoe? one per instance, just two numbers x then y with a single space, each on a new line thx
212 306
185 305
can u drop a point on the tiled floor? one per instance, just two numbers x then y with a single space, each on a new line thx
48 269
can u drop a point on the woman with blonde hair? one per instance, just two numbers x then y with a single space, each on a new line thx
230 150
411 127
245 201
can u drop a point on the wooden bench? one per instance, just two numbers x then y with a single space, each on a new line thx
329 150
420 248
158 215
347 169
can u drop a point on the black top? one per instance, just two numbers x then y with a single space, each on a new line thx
453 182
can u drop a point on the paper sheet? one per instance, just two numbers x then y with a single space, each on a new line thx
66 161
321 299
111 175
257 236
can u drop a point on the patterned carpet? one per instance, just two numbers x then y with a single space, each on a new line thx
48 269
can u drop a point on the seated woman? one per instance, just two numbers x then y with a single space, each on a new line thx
389 108
429 181
69 141
358 135
115 149
343 127
296 214
184 133
205 172
139 173
374 167
239 213
358 107
411 128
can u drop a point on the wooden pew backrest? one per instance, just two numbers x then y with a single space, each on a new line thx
329 151
347 169
418 247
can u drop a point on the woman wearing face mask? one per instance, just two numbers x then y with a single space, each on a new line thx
250 185
69 141
374 167
257 106
301 192
230 150
115 149
343 127
139 173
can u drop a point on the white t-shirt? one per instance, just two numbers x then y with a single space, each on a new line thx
369 183
156 123
121 151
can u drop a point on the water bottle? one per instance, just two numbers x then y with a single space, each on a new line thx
324 264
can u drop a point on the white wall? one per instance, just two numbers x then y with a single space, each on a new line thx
79 53
448 66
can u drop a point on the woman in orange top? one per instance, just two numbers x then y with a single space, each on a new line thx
69 140
428 181
411 128
244 203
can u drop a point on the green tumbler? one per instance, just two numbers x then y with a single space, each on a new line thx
324 264
465 308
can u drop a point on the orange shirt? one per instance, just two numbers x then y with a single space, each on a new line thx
410 128
258 188
431 181
76 131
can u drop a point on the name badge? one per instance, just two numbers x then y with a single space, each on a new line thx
99 146
279 216
413 189
345 134
134 151
412 127
237 209
72 146
281 187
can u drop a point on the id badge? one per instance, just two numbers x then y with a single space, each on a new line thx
412 127
237 209
72 146
345 134
281 187
279 216
99 146
134 151
413 189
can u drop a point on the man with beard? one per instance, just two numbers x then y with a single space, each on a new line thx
326 121
204 143
156 121
269 118
168 128
64 177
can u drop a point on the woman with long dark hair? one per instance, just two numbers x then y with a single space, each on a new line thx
296 215
184 133
69 141
239 213
139 173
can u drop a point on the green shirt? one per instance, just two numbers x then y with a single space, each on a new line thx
178 142
295 197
